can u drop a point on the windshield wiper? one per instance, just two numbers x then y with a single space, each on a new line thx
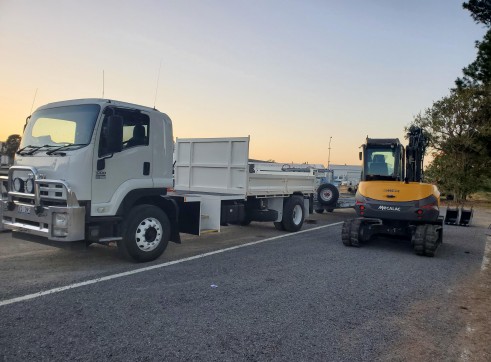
33 149
65 147
19 152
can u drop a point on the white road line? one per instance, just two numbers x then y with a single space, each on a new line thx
157 266
487 253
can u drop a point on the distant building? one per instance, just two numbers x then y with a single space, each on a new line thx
346 174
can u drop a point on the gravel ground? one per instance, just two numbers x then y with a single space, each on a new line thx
300 297
467 311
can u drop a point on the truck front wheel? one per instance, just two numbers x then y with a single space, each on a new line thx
146 233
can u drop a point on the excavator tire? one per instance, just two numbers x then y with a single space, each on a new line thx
426 239
345 233
418 240
350 232
432 240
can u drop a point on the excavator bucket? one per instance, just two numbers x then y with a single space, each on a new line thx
452 216
465 216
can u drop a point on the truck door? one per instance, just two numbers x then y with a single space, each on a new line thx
126 170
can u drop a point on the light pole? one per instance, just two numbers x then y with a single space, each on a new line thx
329 154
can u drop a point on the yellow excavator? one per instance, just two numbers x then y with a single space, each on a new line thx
392 199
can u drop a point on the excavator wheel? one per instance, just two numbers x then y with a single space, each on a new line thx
351 231
426 239
432 240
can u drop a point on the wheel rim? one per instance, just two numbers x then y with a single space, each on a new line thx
148 234
326 195
297 214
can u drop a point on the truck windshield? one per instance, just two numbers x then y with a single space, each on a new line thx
61 126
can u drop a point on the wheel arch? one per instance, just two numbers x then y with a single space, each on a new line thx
155 197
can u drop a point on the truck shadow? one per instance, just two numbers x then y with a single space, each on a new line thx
76 250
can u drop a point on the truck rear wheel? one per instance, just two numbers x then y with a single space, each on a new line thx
146 233
293 214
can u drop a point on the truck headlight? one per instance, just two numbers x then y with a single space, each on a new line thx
30 186
60 224
18 184
60 220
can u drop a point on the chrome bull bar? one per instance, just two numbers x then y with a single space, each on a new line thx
3 195
60 222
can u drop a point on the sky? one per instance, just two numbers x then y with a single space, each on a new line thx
294 75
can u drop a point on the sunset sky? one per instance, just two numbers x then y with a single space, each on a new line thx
291 74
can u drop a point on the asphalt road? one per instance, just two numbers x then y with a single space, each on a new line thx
274 297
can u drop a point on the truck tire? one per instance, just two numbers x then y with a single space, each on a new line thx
327 195
262 215
350 232
293 214
146 233
319 211
246 222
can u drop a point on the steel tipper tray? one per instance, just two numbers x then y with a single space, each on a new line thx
215 184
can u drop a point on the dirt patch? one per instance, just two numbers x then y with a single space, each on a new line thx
475 303
428 332
457 328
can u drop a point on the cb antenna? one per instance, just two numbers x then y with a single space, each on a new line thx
33 100
103 84
157 86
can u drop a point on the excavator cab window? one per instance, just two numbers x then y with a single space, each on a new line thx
382 163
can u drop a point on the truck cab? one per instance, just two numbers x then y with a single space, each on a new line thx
68 168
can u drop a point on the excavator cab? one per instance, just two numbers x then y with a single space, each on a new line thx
383 160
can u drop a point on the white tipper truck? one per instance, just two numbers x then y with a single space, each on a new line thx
107 171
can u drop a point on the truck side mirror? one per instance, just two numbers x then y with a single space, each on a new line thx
114 134
360 155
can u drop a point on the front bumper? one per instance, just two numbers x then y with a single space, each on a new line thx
51 211
41 221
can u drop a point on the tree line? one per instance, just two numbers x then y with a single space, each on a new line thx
458 126
10 146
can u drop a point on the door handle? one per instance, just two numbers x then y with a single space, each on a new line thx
146 168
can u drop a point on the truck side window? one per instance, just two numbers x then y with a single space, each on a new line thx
135 132
136 127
